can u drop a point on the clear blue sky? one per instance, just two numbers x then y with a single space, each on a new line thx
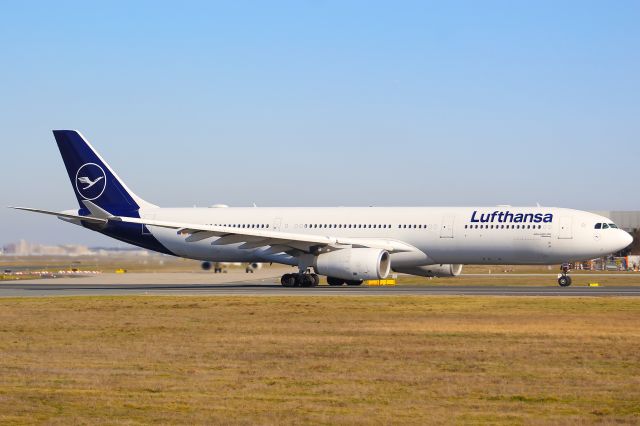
322 103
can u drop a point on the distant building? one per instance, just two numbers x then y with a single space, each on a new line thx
24 248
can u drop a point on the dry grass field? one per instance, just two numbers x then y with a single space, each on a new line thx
325 360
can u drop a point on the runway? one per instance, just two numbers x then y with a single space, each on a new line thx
26 289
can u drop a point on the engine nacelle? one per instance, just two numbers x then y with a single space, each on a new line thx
441 270
354 264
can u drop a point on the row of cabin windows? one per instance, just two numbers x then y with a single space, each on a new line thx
369 226
325 225
243 225
359 226
503 227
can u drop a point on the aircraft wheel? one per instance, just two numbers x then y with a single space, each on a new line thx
354 282
288 280
316 280
564 281
334 281
306 280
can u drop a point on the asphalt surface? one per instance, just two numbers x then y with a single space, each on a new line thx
51 288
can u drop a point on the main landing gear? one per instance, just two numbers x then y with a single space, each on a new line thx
300 280
563 278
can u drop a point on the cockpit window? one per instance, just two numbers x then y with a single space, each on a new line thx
605 226
613 225
598 226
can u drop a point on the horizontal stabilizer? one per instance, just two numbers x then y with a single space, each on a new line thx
63 215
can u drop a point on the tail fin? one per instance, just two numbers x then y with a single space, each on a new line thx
92 178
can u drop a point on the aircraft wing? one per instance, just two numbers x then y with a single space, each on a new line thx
278 241
274 241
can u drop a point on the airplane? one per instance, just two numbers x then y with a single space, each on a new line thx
347 245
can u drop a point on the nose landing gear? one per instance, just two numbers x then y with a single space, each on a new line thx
564 280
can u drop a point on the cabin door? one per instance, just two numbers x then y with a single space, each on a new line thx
446 227
566 229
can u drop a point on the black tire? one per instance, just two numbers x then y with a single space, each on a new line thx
297 280
316 280
288 280
306 280
354 282
564 281
335 281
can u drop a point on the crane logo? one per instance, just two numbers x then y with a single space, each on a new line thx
91 181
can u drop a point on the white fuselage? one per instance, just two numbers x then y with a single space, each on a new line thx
441 235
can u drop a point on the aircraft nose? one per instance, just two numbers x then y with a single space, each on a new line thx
623 239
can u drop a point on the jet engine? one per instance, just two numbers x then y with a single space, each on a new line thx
437 270
354 264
